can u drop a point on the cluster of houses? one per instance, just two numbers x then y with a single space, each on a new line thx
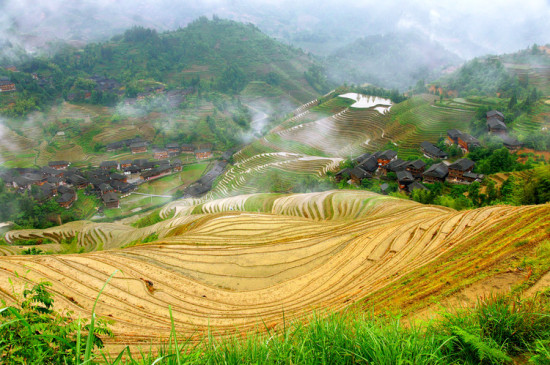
109 182
6 85
497 127
410 174
138 145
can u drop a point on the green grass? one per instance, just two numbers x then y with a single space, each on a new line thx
148 220
496 330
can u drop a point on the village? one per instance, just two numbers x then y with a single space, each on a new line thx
411 174
112 180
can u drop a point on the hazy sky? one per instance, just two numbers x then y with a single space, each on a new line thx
467 27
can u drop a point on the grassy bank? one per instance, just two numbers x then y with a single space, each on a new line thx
499 330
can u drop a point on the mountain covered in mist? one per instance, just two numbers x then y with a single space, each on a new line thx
225 53
396 60
208 55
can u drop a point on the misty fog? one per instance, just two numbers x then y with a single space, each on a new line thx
468 28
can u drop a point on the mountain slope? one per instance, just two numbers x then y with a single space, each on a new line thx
224 267
228 53
395 60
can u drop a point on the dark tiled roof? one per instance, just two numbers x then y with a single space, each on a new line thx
416 186
511 141
105 187
404 176
416 164
138 145
360 159
454 133
462 165
469 139
57 163
359 173
494 113
203 150
65 197
387 155
396 165
108 164
431 149
342 172
370 164
109 198
439 170
494 123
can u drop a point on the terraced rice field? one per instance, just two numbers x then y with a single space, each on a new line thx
420 121
227 271
237 179
324 140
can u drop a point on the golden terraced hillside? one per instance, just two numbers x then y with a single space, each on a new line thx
246 261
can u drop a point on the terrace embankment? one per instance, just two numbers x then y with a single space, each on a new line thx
235 265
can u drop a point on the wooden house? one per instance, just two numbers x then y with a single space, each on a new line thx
511 143
125 164
176 165
404 178
67 196
50 171
110 200
452 136
436 173
369 164
203 153
156 173
360 159
468 142
160 154
115 146
118 177
495 114
36 178
59 165
6 85
416 168
108 165
77 181
394 166
416 186
431 151
173 149
357 174
496 126
187 148
343 174
457 169
465 141
386 157
138 147
472 176
106 188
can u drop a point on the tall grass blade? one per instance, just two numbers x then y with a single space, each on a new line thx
175 335
90 340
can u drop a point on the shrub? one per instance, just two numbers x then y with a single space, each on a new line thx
32 332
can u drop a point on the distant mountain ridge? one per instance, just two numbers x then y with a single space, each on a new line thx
396 60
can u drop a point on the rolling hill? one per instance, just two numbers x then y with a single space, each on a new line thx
232 264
